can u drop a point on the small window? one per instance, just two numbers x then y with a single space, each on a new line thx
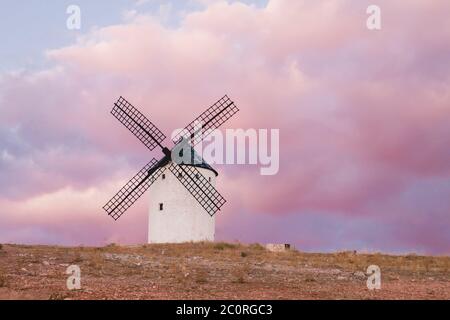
161 207
209 179
163 176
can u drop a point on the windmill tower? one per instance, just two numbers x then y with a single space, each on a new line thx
178 201
174 215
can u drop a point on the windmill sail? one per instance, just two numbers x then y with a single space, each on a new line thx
138 124
200 188
134 189
208 121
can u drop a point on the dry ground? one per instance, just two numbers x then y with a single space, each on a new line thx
215 271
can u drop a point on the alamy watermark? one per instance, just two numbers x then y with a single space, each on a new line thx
73 22
74 281
237 146
373 22
374 279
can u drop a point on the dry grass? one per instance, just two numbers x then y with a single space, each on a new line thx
224 245
241 273
3 282
218 271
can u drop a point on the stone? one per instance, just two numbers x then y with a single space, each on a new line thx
277 247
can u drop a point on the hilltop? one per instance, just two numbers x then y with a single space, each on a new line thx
215 271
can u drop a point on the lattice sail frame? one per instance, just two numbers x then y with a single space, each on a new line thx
191 178
209 120
200 188
133 190
137 123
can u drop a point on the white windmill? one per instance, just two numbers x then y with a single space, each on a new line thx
178 201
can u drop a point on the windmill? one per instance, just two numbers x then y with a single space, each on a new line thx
179 220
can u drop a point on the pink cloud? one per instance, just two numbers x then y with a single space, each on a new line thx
363 116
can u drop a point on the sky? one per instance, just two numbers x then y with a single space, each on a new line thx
364 117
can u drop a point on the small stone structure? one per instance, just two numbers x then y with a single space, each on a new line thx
278 247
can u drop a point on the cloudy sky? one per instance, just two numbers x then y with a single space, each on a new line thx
364 117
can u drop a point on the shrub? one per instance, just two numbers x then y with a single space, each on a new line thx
256 246
240 279
224 245
241 273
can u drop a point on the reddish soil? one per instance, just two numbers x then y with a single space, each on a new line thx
215 271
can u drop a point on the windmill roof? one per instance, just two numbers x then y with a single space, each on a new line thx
199 162
196 161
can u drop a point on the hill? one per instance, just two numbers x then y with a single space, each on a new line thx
215 271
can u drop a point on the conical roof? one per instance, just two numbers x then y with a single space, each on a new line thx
199 162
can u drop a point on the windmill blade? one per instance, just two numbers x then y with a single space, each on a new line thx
209 120
134 189
138 124
200 188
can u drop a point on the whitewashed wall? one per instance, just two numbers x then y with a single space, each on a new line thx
182 219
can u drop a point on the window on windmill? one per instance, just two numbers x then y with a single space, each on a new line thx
163 176
161 207
209 179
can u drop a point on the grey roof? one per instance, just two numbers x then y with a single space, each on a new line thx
195 161
199 162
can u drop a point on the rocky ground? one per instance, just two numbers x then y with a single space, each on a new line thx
215 271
